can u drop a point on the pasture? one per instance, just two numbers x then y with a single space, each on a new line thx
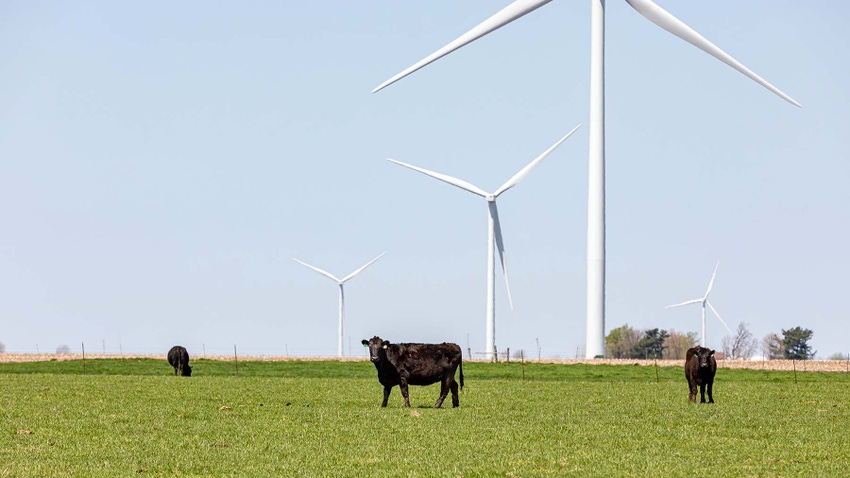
132 417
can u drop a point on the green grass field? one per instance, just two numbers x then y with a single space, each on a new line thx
131 417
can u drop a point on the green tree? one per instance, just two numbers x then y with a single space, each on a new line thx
619 341
651 345
796 343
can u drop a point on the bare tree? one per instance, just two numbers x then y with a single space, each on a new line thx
772 347
740 346
677 344
63 349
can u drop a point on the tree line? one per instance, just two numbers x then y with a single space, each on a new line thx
627 342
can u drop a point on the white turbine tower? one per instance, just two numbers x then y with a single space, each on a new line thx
595 333
494 234
340 282
704 302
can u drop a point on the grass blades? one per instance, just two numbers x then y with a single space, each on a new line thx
324 419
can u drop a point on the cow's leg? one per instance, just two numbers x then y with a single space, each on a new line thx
175 371
444 390
710 398
387 390
702 392
453 387
403 386
692 396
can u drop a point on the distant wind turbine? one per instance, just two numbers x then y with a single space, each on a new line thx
704 302
494 233
340 282
595 332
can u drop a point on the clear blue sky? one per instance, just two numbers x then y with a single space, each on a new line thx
162 162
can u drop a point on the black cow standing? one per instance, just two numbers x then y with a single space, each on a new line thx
416 364
178 358
700 367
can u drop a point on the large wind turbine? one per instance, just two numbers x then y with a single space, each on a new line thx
595 333
704 302
340 282
494 234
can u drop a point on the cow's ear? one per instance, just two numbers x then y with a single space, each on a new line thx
711 353
386 343
365 342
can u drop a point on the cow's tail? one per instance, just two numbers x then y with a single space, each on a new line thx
461 373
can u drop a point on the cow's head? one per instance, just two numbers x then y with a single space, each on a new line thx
703 356
377 347
187 370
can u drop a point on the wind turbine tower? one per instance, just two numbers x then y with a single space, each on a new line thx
595 331
703 301
341 283
494 234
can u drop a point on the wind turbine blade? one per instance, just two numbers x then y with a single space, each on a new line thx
500 246
524 171
718 316
500 19
349 276
695 301
324 273
445 178
711 282
667 21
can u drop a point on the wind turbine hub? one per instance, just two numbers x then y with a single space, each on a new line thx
490 198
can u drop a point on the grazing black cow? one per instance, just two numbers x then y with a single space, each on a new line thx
700 367
416 364
178 358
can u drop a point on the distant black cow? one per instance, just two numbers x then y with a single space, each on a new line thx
416 364
178 358
700 367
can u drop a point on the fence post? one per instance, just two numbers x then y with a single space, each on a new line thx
84 357
522 361
508 355
235 360
656 367
794 363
